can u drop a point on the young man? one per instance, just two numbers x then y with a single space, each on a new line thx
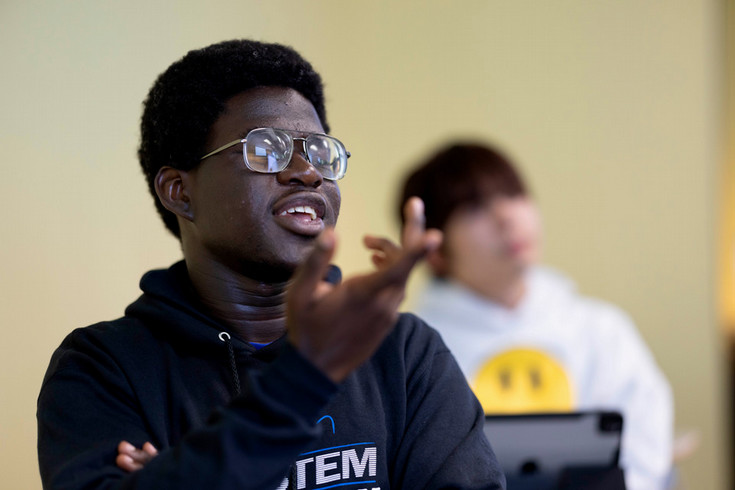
248 365
524 338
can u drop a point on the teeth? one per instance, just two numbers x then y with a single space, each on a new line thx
301 209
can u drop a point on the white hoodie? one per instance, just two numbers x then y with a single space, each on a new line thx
560 351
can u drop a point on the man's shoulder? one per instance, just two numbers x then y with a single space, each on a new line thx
113 333
100 343
412 340
410 328
557 291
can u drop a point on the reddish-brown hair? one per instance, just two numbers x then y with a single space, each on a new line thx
460 175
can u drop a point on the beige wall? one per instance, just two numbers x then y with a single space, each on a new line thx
611 107
726 215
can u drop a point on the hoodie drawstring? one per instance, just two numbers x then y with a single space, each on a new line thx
225 337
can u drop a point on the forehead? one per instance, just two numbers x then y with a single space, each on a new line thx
275 107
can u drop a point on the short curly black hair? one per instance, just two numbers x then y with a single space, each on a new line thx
190 95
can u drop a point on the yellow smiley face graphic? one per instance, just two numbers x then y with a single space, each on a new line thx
522 381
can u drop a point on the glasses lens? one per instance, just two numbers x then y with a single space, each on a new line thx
267 150
328 155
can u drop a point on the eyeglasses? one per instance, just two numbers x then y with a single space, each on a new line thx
268 151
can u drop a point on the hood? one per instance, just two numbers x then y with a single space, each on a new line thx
548 290
445 301
169 307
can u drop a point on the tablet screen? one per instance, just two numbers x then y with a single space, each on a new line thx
549 443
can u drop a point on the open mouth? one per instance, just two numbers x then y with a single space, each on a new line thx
302 213
306 210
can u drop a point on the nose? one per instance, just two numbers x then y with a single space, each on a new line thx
299 171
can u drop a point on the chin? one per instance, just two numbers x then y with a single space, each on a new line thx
525 256
280 264
286 265
268 272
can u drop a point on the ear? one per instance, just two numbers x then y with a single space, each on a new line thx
173 189
437 261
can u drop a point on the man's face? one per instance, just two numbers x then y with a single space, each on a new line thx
248 221
496 238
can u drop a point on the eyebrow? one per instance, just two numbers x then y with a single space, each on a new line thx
242 135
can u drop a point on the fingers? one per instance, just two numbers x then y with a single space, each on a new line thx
310 274
393 271
150 449
126 448
130 458
385 251
322 289
395 263
415 236
125 462
414 222
380 244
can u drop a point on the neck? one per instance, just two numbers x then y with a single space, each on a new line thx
506 290
254 310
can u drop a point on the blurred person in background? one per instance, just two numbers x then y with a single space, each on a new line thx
526 340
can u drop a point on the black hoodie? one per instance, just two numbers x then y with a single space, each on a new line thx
163 373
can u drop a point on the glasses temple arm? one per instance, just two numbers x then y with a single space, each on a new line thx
221 148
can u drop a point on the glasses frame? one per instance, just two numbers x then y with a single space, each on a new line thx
293 140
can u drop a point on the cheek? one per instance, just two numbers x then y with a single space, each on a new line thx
529 234
530 224
334 197
472 240
228 203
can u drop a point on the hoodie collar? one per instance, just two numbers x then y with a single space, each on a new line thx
170 306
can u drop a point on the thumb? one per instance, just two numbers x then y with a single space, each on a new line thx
311 273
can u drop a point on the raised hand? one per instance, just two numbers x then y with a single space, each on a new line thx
339 327
414 234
